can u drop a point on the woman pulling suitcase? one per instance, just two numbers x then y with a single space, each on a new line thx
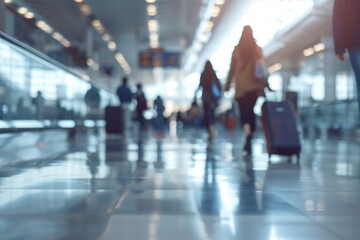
247 87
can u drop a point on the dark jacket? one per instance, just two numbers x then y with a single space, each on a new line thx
208 78
346 25
124 93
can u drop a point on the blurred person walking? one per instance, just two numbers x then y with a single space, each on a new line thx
247 88
125 96
141 106
346 33
211 94
92 100
159 120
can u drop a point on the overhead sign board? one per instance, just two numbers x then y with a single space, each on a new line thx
159 58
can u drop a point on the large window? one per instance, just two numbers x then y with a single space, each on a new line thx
23 75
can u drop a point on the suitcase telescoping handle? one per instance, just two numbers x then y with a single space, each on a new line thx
268 93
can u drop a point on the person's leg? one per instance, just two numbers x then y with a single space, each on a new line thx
355 62
248 118
209 121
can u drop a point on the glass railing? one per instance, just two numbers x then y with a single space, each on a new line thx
326 120
34 87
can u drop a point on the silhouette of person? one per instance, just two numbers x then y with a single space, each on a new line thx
346 34
92 101
125 96
211 87
159 121
141 106
247 89
39 105
124 92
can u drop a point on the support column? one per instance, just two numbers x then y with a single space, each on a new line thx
7 20
2 16
329 61
286 76
89 42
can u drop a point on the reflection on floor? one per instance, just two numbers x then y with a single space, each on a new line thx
180 187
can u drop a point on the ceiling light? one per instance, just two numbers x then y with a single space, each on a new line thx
65 43
319 47
57 36
106 37
209 26
119 57
29 15
150 1
154 37
43 26
85 9
7 1
219 2
215 11
203 38
154 44
22 10
112 45
79 1
96 23
89 62
153 26
151 10
308 52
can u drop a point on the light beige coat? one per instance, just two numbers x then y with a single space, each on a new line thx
243 76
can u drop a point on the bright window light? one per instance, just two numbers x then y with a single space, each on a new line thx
266 19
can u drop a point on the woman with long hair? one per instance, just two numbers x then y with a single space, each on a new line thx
247 88
211 87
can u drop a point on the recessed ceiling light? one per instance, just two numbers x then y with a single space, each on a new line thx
22 10
151 10
29 15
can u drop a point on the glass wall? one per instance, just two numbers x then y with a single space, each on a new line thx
33 88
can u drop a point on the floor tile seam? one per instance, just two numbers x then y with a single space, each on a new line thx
324 227
307 191
311 218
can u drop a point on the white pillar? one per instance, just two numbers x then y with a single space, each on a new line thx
2 16
89 42
7 20
329 61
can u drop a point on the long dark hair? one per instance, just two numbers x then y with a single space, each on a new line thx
247 45
208 75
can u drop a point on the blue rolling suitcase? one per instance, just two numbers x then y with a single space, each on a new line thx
282 137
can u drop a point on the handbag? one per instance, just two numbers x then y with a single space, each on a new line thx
261 73
215 91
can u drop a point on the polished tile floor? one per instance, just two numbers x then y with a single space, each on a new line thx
176 186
